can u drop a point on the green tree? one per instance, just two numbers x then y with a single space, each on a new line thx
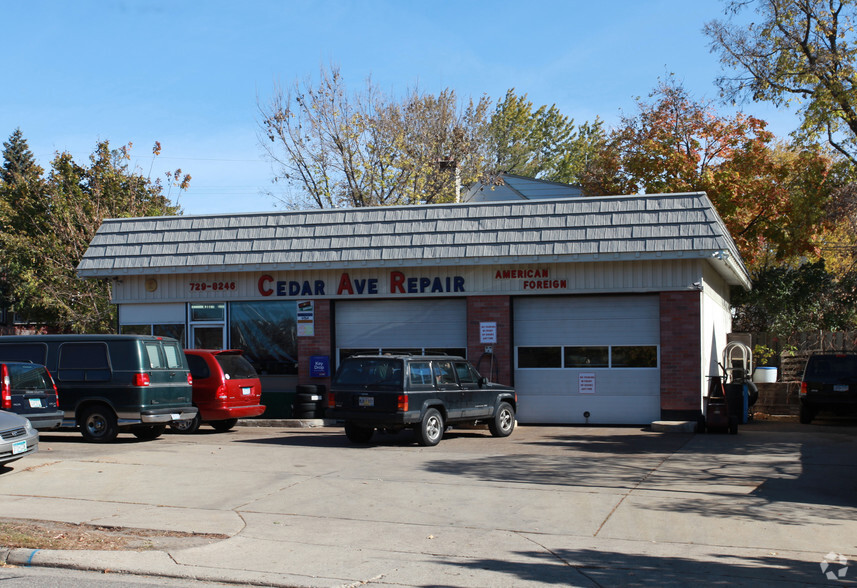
771 197
795 51
333 148
539 142
41 251
826 302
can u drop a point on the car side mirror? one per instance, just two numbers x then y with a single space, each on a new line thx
482 381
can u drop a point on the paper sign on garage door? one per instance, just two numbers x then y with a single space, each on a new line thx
586 383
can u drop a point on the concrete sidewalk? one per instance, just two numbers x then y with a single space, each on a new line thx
576 506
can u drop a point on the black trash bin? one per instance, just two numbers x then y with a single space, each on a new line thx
737 402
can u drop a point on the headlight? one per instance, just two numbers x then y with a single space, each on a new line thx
29 427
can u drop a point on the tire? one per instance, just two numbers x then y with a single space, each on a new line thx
358 434
430 429
149 432
503 422
98 425
806 414
186 427
224 425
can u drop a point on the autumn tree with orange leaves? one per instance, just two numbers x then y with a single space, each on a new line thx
772 197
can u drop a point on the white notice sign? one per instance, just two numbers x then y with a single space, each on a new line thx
586 383
487 332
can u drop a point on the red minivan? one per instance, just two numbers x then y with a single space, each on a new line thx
225 388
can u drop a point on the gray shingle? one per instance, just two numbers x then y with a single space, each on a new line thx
664 224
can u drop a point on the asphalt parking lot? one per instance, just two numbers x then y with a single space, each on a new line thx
579 506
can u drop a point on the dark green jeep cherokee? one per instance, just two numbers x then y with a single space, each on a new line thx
423 392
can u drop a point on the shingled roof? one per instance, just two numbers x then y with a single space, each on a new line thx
610 228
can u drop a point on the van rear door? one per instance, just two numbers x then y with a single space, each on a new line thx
168 375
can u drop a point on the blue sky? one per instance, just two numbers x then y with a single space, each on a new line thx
189 73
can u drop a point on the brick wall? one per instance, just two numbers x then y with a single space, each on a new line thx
318 344
496 309
681 340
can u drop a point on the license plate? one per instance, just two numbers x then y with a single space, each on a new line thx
35 403
366 401
246 391
841 388
19 447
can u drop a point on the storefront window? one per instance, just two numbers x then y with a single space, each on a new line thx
207 312
176 331
266 332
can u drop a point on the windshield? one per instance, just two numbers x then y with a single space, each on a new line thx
370 371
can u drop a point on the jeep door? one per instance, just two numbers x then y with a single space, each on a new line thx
448 389
475 400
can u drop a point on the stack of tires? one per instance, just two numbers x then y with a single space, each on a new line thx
310 402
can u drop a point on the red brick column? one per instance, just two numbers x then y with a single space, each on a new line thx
318 344
681 354
493 309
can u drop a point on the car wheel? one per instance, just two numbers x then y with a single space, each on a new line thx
430 429
186 427
149 432
806 414
223 426
358 434
503 422
98 425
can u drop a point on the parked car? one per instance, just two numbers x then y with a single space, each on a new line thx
111 383
829 383
225 389
27 389
17 437
422 392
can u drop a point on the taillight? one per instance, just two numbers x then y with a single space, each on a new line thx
142 380
54 384
221 392
803 388
6 387
189 379
331 400
402 403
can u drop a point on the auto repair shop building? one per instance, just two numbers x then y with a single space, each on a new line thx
606 310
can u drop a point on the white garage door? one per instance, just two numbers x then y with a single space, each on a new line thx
588 359
389 326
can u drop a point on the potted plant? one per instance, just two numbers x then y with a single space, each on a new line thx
763 357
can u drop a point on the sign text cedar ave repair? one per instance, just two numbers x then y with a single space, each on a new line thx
399 283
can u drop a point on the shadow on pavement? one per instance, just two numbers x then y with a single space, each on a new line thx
587 567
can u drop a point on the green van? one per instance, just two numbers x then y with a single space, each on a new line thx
111 383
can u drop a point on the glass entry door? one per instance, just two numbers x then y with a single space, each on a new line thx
207 337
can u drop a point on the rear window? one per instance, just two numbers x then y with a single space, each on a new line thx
831 367
29 377
235 367
370 371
